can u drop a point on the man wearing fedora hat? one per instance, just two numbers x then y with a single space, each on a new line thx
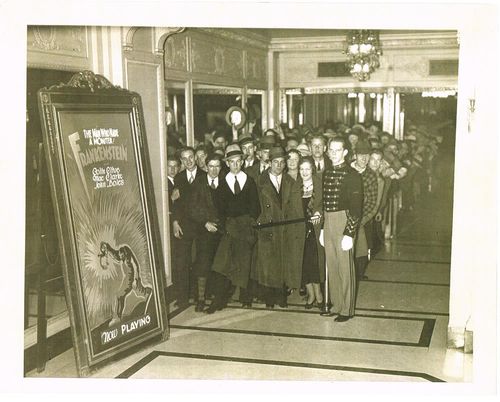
370 191
237 203
265 144
247 145
279 249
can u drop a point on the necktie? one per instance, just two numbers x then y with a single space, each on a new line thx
191 178
278 184
318 166
213 184
237 187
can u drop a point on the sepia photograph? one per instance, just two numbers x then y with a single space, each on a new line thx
296 195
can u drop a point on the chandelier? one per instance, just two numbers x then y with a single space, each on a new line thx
363 52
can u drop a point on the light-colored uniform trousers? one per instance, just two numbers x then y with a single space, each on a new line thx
340 265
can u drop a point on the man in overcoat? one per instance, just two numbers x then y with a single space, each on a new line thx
238 207
277 260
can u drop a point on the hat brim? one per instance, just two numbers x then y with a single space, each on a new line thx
238 110
233 154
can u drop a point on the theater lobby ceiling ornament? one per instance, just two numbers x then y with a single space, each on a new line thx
363 52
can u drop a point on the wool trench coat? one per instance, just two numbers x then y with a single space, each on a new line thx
278 253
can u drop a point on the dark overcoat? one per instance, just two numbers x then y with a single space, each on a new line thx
278 253
316 205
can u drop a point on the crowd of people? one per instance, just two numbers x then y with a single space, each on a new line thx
288 210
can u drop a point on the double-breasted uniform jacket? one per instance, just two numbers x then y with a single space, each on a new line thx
278 253
181 206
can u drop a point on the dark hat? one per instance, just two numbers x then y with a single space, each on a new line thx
245 138
270 132
267 142
214 157
276 152
218 134
363 147
233 150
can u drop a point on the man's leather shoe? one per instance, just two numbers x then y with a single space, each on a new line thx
342 318
200 306
246 305
283 305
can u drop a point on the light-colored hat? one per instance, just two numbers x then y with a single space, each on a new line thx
232 151
304 150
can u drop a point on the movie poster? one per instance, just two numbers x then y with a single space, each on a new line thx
109 214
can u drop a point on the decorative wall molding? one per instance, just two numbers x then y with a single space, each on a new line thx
388 42
217 91
58 40
211 58
175 55
161 34
128 38
59 47
255 66
247 38
411 66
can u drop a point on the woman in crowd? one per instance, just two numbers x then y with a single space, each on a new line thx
292 163
313 265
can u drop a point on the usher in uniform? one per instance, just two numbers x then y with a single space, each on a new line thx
343 203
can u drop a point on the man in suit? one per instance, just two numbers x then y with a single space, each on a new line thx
318 148
257 168
173 167
279 250
184 227
247 145
203 211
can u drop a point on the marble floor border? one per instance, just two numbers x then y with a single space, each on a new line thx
155 354
412 261
405 243
406 282
424 340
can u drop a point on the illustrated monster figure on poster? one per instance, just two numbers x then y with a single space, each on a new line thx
131 281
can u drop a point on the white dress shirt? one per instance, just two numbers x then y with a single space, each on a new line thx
216 181
242 179
249 163
191 174
276 180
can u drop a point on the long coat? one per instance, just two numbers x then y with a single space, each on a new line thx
316 205
233 258
278 253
